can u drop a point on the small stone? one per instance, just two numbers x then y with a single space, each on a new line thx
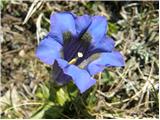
22 53
15 61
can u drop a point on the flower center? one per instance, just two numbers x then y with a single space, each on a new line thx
74 60
86 39
67 36
75 48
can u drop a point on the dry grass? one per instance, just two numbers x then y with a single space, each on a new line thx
129 92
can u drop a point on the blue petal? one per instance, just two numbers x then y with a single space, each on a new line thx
48 50
62 22
58 75
82 23
81 78
98 28
106 59
105 45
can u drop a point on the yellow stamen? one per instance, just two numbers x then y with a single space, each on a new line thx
74 60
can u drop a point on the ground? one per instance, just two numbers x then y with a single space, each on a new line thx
27 90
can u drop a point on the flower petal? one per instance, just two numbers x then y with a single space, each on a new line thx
81 78
62 22
98 28
106 59
58 75
105 45
82 23
48 50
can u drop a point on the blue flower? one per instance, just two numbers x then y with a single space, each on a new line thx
78 48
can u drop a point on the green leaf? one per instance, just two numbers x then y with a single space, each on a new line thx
107 78
112 28
62 96
91 100
41 111
43 92
53 112
72 90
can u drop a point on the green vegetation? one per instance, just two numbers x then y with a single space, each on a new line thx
27 88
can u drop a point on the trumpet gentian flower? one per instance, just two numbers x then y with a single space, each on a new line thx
78 48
